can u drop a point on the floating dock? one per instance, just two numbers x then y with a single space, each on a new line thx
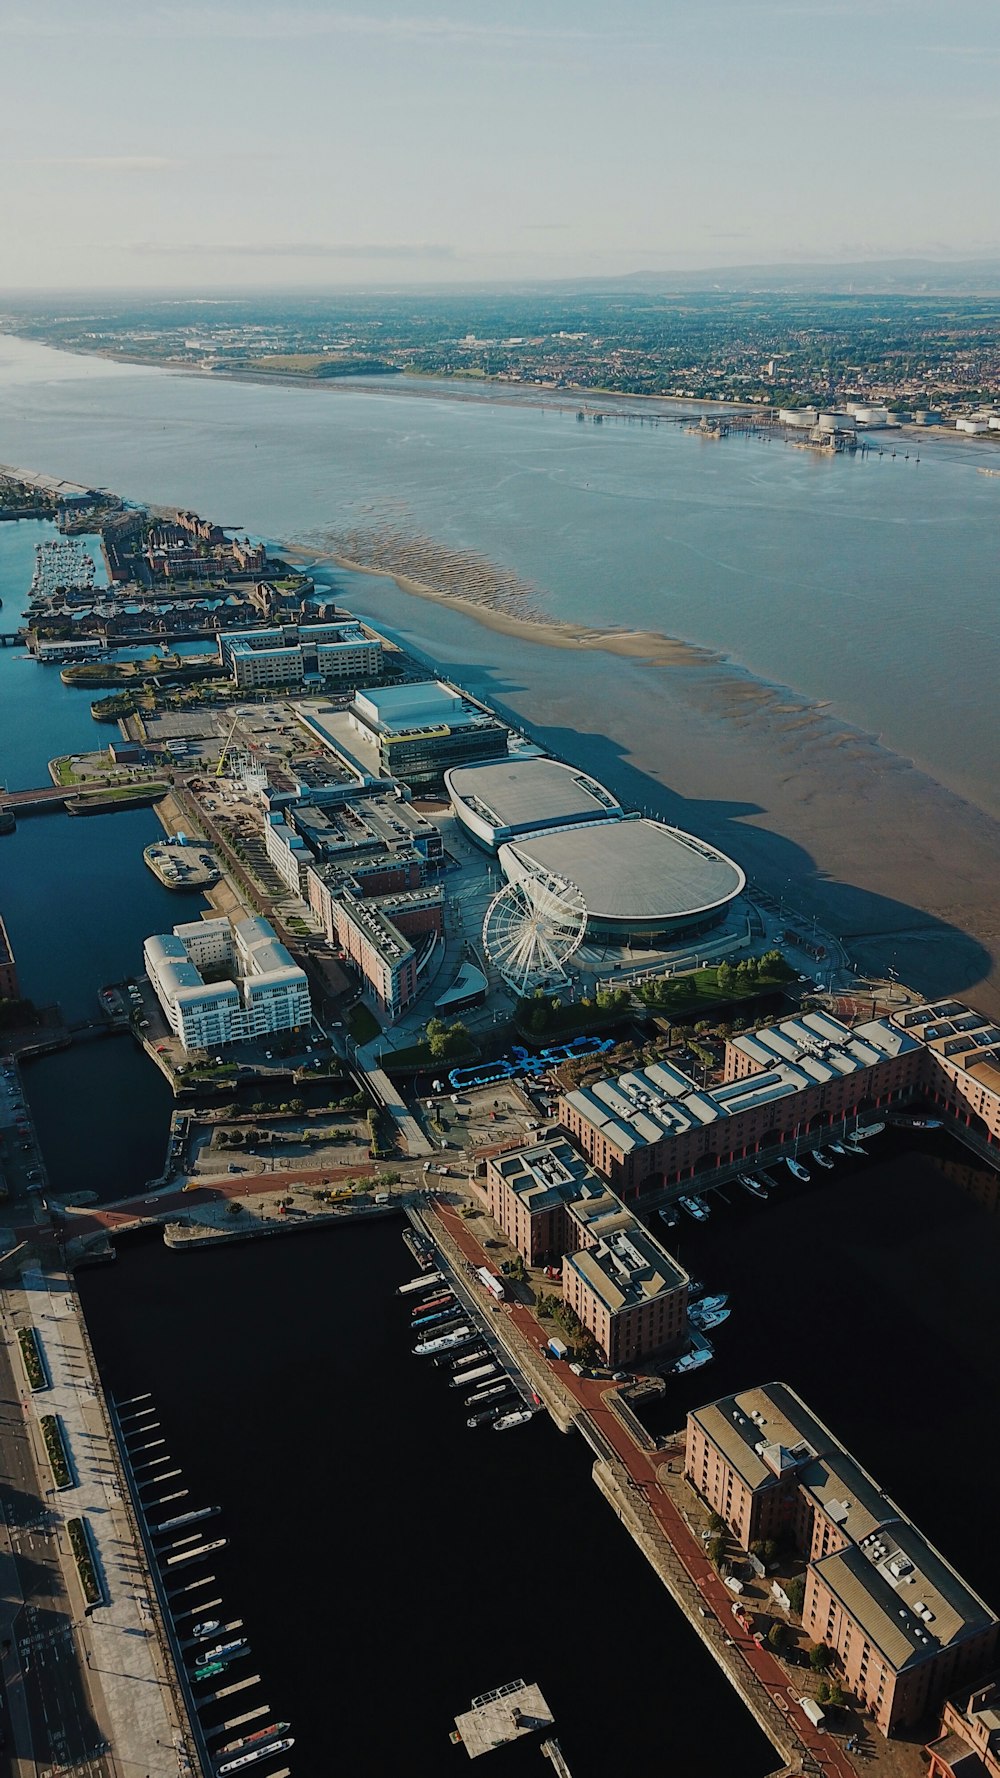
498 1717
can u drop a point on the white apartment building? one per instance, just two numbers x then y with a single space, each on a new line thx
268 992
287 851
284 654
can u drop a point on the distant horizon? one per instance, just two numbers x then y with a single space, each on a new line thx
724 279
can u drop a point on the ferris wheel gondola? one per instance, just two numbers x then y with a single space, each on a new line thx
531 930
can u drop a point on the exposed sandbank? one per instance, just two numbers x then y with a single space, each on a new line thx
902 867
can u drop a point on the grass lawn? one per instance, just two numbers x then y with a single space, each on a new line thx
699 993
122 792
362 1024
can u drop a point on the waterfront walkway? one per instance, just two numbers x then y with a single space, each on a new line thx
648 1491
130 1680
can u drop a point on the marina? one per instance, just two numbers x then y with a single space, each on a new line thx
368 1263
208 1649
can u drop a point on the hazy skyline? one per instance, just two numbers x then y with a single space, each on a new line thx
253 144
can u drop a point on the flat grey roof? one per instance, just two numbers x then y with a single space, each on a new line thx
908 1599
520 794
631 870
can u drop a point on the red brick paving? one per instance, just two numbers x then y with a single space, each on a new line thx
829 1755
243 1185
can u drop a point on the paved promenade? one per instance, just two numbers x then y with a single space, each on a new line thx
124 1696
634 1480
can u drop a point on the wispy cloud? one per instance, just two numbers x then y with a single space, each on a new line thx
105 163
283 23
359 250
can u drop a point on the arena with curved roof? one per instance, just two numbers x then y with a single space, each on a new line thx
498 801
642 881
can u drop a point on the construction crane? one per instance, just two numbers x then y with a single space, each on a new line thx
223 756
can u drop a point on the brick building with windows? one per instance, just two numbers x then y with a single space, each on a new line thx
902 1624
969 1743
654 1127
625 1288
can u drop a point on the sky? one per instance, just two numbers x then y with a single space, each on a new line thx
242 143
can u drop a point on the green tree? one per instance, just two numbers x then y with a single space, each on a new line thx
765 1549
444 1041
777 1635
796 1592
716 1524
717 1551
820 1657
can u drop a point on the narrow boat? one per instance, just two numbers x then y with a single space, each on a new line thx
768 1180
516 1417
821 1159
255 1753
223 1651
485 1415
669 1217
453 1313
753 1186
796 1169
865 1130
416 1284
433 1302
444 1342
718 1301
210 1672
480 1373
259 1736
476 1356
488 1392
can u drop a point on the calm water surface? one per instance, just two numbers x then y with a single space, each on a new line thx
866 583
389 1563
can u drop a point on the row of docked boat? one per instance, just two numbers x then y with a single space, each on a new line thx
760 1183
208 1646
449 1333
708 1312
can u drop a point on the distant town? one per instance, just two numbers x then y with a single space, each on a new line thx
936 356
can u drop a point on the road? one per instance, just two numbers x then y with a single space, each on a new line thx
48 1717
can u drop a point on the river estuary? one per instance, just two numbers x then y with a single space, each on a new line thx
390 1564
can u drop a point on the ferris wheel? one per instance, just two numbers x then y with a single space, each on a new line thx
532 928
